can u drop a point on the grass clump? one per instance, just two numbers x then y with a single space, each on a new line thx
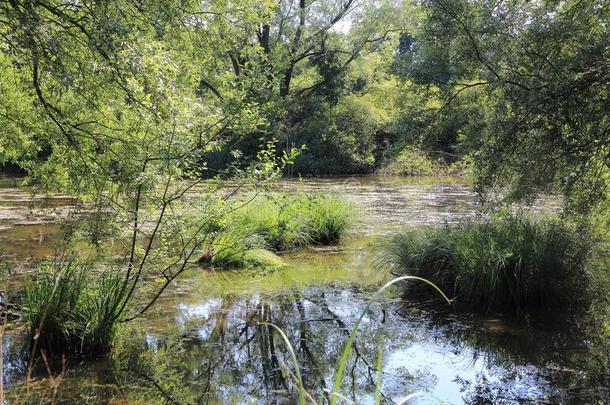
277 221
510 263
252 234
327 220
234 249
71 311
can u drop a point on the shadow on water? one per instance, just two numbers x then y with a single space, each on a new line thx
204 342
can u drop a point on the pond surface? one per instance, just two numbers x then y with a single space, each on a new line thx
203 342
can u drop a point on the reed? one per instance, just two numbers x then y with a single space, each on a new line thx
72 308
250 235
503 264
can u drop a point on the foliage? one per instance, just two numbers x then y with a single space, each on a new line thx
114 104
71 308
412 162
507 263
339 139
540 70
288 221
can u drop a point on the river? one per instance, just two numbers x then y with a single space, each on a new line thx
203 342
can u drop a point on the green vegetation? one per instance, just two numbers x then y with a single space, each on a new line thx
155 116
72 308
278 223
523 89
413 162
507 264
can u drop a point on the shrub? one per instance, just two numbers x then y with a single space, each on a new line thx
70 310
340 139
509 263
412 162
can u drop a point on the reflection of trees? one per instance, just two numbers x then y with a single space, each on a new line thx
227 354
223 353
230 355
578 356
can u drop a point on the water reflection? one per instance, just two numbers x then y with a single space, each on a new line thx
204 341
217 351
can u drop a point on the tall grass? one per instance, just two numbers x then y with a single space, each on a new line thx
278 220
279 223
509 263
289 221
327 219
69 310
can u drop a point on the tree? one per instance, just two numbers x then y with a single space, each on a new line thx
114 103
544 67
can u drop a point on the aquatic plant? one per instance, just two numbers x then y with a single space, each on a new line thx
328 218
507 263
277 223
72 307
236 249
277 219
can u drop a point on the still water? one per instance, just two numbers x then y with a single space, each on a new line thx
203 342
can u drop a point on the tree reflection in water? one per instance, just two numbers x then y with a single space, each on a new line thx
225 355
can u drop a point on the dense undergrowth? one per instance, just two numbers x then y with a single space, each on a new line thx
509 264
251 235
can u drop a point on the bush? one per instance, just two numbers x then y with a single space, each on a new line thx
412 162
340 139
511 263
70 311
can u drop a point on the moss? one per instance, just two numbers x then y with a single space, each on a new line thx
262 258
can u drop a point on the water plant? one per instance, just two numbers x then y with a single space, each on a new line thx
506 263
328 218
237 249
72 307
278 223
277 219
